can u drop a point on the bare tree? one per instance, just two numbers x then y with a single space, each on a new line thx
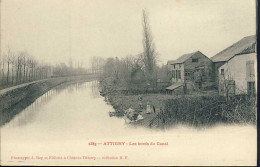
13 67
20 67
3 59
28 66
35 64
97 64
227 85
149 54
23 62
9 59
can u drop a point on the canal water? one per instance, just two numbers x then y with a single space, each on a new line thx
70 125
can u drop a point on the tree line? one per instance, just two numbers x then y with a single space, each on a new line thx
97 64
21 67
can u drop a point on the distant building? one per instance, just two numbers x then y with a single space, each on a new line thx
238 75
191 71
245 45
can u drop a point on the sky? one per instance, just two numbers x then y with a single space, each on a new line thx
57 30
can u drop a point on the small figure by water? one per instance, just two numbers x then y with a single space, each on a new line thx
112 113
148 108
140 104
139 117
132 116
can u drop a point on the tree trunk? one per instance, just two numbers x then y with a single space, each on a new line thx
16 78
20 72
7 77
26 75
24 78
12 74
3 72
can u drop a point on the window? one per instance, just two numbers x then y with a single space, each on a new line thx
250 70
187 75
195 60
222 72
251 88
174 66
203 73
173 73
179 65
178 74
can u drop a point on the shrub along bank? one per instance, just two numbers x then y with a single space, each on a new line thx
207 111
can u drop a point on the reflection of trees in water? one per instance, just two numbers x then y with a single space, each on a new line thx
75 87
93 86
94 89
28 113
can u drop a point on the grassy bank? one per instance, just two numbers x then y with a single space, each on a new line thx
122 102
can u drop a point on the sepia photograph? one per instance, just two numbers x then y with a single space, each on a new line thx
128 82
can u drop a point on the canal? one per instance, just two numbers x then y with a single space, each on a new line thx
70 125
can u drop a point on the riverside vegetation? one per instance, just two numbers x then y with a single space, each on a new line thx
197 110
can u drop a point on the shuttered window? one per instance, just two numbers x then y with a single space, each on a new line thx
173 73
250 70
251 88
178 74
222 72
195 60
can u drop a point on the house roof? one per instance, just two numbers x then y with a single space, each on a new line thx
244 46
174 86
183 58
170 62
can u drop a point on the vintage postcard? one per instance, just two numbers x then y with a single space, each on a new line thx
128 82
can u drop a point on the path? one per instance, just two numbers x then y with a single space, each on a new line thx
2 91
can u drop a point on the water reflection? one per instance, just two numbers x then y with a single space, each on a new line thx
94 89
28 115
